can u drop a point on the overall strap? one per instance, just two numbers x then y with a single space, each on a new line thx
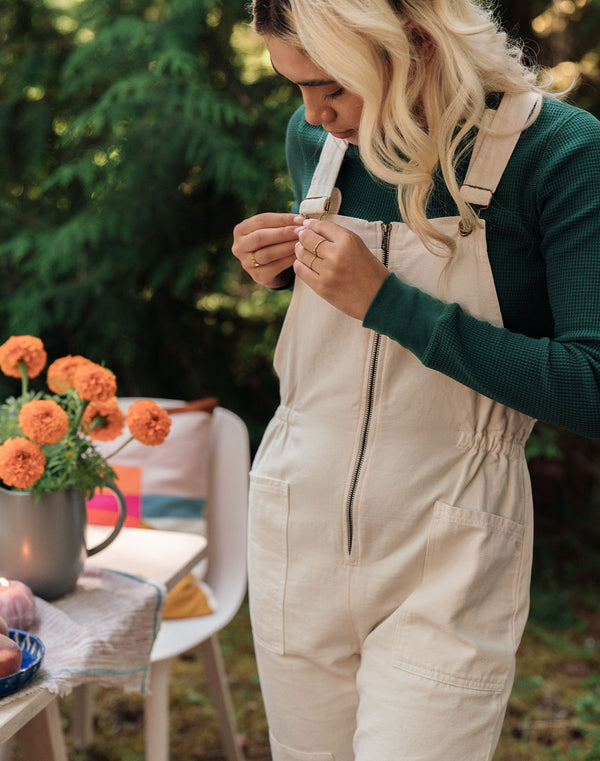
498 135
499 132
323 197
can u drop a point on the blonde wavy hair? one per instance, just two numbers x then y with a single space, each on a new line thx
413 63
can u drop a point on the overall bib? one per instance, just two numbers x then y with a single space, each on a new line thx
391 528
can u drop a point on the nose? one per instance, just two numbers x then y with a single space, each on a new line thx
317 112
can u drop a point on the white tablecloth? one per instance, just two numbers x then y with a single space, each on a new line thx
101 633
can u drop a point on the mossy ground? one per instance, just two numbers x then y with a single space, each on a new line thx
553 715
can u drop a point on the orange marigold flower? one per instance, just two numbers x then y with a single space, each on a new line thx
60 373
27 349
103 421
148 422
44 421
22 462
94 383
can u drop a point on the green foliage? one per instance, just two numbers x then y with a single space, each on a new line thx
543 442
551 608
588 707
132 142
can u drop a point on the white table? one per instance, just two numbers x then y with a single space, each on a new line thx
163 556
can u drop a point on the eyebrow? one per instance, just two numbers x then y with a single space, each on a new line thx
307 82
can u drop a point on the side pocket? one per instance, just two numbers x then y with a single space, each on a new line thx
267 558
457 627
284 753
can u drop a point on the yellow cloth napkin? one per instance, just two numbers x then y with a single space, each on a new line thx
186 600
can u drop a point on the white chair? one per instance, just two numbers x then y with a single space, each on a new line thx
226 510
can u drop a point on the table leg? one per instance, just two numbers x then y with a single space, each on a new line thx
82 717
6 750
42 737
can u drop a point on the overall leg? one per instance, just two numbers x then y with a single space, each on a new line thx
311 706
305 644
436 673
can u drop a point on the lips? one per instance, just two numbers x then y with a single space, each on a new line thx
342 135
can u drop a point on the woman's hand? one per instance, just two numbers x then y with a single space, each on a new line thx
338 266
264 244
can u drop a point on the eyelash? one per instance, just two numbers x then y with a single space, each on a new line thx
334 95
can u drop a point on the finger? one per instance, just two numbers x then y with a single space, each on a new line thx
312 241
266 220
271 254
324 228
267 246
310 277
308 258
265 238
268 273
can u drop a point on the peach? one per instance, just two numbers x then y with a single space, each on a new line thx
10 656
17 604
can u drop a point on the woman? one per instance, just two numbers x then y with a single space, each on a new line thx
446 271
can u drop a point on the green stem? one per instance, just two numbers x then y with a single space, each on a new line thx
24 378
77 420
118 449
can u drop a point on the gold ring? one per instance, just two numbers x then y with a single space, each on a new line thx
310 266
253 259
317 247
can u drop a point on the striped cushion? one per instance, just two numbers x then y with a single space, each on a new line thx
165 486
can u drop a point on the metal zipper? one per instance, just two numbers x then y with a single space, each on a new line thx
385 251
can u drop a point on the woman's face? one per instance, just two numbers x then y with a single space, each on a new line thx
327 103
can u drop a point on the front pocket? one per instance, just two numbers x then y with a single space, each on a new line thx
267 558
457 627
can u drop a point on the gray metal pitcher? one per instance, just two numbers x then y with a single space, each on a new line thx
43 544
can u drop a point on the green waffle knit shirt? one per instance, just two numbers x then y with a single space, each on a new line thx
543 239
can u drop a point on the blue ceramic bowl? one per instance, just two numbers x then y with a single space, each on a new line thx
33 651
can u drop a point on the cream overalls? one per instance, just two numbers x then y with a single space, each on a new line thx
390 515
